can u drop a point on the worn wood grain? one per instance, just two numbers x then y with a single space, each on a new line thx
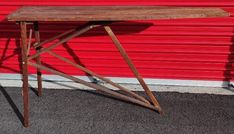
111 13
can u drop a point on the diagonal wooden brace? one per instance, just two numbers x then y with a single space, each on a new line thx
132 67
97 87
54 38
29 41
100 77
76 33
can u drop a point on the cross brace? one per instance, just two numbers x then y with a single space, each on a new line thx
64 37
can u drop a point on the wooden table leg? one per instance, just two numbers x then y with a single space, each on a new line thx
38 59
132 67
24 63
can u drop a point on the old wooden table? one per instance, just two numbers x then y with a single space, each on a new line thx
96 16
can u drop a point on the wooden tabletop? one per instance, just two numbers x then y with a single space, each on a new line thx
111 13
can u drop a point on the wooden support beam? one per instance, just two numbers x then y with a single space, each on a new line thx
100 77
38 59
29 41
76 33
24 64
40 44
97 87
132 67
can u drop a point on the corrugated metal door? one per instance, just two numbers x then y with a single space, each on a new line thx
188 49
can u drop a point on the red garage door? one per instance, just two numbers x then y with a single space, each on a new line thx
187 49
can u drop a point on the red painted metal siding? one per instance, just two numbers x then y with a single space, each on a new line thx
193 49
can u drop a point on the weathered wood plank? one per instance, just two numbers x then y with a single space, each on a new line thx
111 13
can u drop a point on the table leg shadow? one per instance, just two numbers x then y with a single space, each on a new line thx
12 104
